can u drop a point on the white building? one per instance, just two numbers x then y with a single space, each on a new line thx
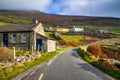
77 29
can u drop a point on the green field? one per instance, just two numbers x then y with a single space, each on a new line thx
109 28
50 35
75 38
3 23
14 20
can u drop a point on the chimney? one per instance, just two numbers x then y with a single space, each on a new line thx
36 21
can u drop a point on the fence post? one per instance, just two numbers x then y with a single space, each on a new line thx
32 49
14 53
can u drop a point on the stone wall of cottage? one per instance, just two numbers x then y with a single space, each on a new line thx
32 41
19 44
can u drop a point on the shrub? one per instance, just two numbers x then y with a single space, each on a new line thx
5 54
113 52
96 51
62 42
105 66
69 43
110 66
72 43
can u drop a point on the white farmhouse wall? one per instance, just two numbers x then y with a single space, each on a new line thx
51 45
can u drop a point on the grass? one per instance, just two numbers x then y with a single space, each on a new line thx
82 53
75 38
50 35
22 52
14 20
116 34
47 25
10 72
3 23
109 28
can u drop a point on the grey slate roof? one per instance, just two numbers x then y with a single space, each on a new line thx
17 27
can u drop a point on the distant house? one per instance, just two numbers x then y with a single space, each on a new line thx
77 29
24 36
50 29
62 29
102 31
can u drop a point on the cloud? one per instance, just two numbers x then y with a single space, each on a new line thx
67 7
92 7
24 4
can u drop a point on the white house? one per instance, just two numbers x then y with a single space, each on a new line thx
77 29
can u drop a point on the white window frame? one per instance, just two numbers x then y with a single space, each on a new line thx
14 38
23 39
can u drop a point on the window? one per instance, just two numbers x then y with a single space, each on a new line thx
23 39
14 38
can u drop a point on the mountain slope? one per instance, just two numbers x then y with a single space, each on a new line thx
61 19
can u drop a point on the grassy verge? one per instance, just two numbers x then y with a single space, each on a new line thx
82 53
10 72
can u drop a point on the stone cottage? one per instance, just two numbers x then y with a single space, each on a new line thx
26 36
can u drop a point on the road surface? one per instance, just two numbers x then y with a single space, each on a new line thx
65 66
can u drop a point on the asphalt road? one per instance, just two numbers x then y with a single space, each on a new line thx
65 66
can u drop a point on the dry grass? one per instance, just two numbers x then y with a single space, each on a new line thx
96 51
5 54
113 52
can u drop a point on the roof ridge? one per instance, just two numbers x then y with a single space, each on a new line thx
33 28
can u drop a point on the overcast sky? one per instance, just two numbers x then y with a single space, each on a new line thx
109 8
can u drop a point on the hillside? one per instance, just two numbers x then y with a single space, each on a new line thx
61 19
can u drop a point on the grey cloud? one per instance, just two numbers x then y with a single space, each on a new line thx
69 7
110 8
24 4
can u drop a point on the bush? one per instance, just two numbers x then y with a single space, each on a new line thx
105 66
113 52
72 43
5 54
110 66
62 42
69 43
96 51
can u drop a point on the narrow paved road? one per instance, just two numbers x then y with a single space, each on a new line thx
66 66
